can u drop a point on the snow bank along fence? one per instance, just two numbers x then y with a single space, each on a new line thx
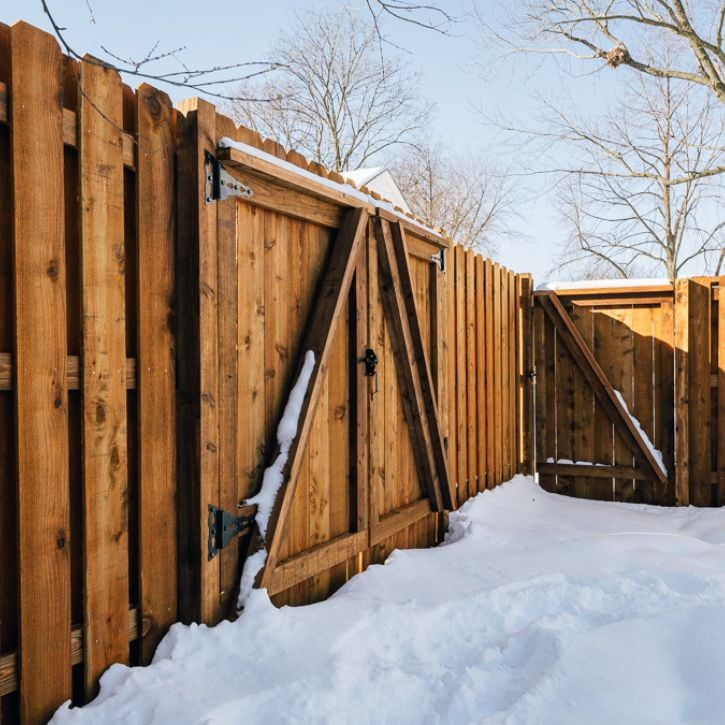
150 330
630 392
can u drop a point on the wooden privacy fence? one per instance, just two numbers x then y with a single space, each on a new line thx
661 347
149 337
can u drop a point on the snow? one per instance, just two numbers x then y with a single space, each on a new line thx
657 455
347 189
604 283
273 475
538 609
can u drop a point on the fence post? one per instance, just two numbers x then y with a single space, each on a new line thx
524 403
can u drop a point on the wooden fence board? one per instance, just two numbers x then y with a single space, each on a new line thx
156 385
699 350
40 351
104 450
480 374
461 368
471 376
720 459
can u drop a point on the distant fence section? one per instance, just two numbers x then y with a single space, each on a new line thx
150 332
654 353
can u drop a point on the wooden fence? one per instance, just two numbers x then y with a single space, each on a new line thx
662 349
149 339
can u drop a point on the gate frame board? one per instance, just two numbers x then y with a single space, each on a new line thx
593 373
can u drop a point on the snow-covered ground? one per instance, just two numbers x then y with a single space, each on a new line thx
538 609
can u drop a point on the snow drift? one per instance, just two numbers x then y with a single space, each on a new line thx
538 609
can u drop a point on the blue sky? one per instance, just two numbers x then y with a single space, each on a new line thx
467 82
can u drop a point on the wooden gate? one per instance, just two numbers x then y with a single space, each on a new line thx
301 266
660 438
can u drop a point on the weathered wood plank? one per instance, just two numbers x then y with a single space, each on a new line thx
720 410
155 123
40 354
103 356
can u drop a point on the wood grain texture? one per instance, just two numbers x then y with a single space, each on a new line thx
40 352
156 229
103 354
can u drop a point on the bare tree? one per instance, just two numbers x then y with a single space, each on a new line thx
629 33
338 99
643 194
470 200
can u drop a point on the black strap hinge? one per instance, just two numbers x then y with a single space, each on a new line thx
223 526
219 184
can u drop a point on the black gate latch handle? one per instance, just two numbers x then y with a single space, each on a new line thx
371 362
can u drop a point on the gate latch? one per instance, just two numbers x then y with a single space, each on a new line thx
219 184
223 526
371 362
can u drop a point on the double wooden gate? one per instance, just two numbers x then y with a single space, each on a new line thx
305 266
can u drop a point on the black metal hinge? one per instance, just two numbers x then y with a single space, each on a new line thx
219 184
223 527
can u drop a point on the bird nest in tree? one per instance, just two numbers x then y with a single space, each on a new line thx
616 56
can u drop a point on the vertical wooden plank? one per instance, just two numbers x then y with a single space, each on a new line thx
513 377
505 342
250 350
471 383
377 386
498 376
583 422
699 310
8 483
360 397
721 392
481 390
461 367
682 411
565 372
155 205
197 364
525 341
452 366
603 446
228 278
621 376
319 481
664 398
103 353
40 351
393 422
441 344
491 380
643 373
